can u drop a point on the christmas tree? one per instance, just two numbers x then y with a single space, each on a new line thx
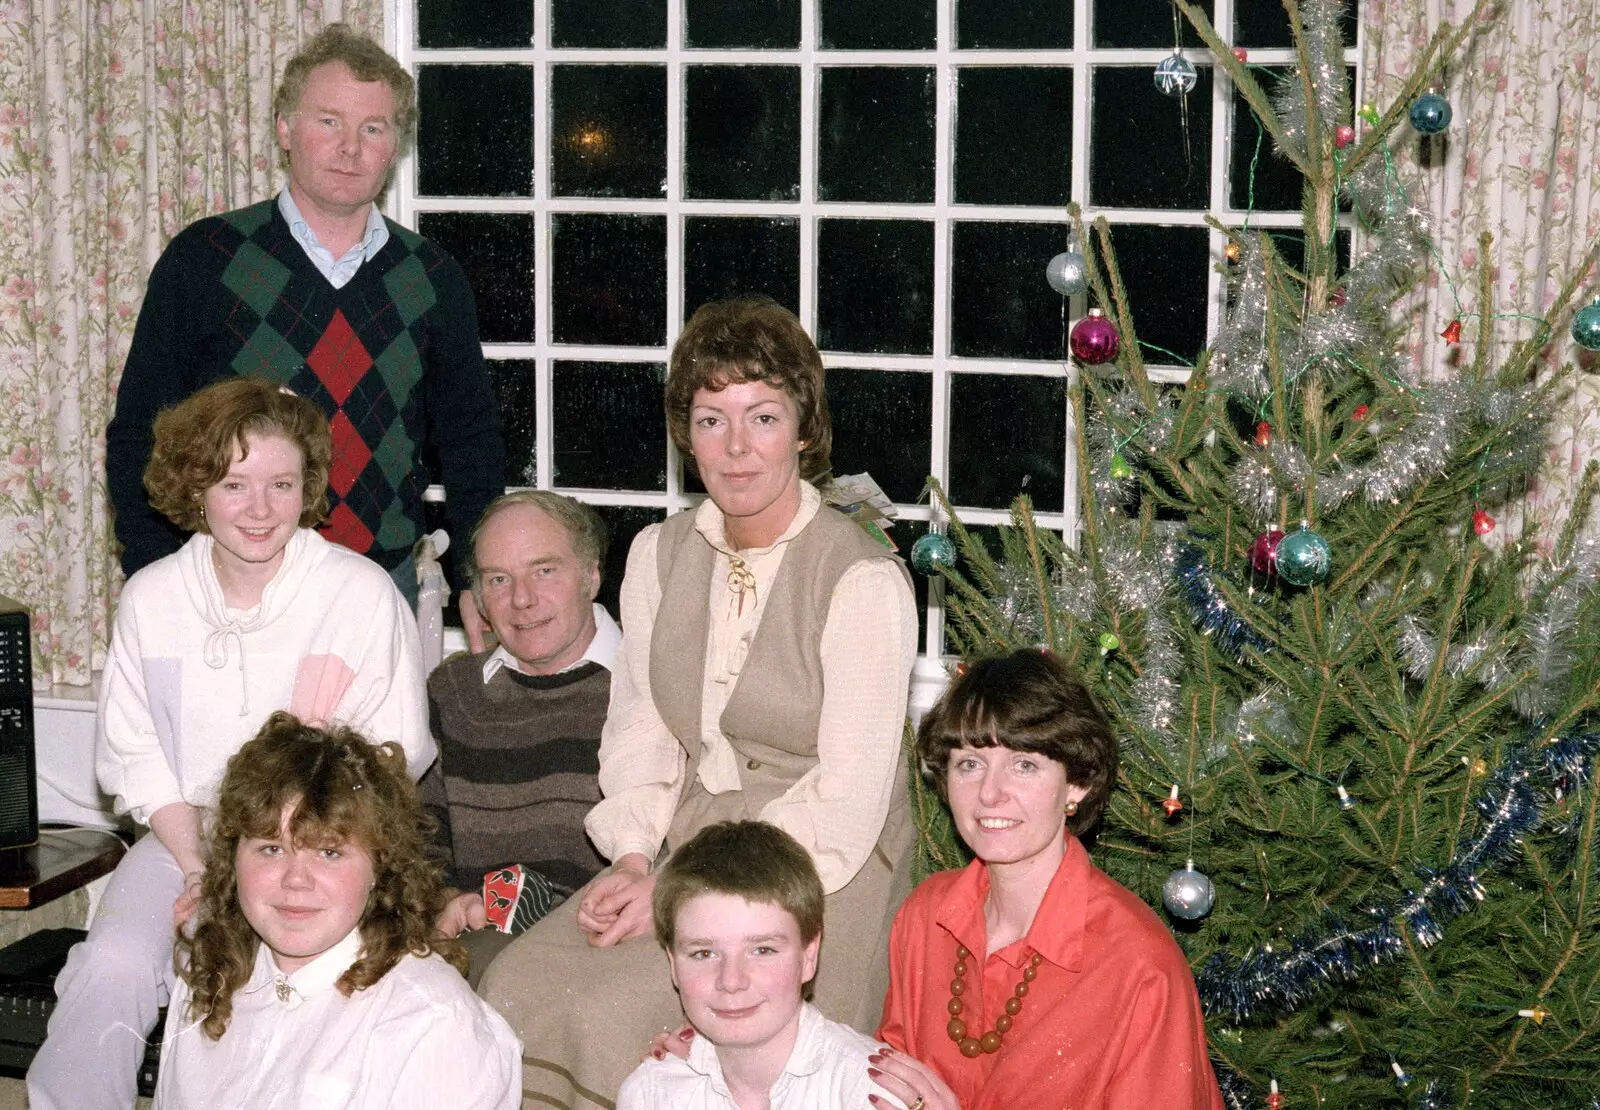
1358 721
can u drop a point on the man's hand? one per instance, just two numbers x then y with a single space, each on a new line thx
617 907
463 912
472 622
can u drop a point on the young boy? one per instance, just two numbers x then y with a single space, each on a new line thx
739 911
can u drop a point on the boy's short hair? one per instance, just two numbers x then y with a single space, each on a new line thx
748 859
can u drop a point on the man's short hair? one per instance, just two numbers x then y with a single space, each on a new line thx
584 528
366 60
748 859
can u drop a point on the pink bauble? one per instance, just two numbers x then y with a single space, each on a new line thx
1264 551
1094 338
1344 135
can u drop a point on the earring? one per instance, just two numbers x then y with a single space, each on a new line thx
1072 809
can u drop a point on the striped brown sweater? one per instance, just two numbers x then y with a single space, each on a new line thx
518 759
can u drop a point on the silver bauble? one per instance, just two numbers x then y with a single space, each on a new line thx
1066 274
1188 894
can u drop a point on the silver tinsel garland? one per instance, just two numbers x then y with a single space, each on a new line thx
1324 43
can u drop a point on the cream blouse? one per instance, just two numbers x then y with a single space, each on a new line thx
869 642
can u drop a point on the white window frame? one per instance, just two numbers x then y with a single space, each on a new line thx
405 206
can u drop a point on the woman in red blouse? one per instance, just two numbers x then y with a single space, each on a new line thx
1030 978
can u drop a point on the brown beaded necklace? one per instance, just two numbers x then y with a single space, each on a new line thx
990 1041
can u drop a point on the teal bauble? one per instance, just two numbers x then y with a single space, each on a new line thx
1304 558
1430 113
1586 327
932 552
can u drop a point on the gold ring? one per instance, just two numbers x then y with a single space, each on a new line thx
919 1104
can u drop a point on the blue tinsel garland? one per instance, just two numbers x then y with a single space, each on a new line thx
1270 980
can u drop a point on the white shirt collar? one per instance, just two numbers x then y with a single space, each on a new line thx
806 1058
709 523
338 271
311 980
602 648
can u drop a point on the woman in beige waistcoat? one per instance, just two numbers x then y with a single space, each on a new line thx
767 645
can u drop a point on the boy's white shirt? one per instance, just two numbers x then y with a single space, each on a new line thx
827 1069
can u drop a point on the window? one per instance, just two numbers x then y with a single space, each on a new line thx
895 171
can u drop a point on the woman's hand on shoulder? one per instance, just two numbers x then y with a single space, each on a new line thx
616 907
915 1084
463 912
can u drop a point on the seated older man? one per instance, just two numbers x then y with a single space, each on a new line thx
518 727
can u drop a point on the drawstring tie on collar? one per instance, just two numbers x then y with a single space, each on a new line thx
215 654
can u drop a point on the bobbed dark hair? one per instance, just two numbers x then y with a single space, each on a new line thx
1028 701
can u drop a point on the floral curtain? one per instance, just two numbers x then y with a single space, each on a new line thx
1521 160
120 122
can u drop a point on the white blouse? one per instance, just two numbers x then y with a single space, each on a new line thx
869 643
417 1039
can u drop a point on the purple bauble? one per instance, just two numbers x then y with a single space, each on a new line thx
1264 551
1094 338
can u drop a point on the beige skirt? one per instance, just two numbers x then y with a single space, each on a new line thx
586 1015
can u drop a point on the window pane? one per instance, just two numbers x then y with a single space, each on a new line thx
1008 435
475 131
1013 135
458 23
496 251
755 24
732 257
613 24
875 134
610 429
1014 24
1118 23
877 24
742 132
1001 305
608 131
1290 243
1258 176
609 279
513 380
1137 145
881 424
1265 23
1165 270
875 286
624 522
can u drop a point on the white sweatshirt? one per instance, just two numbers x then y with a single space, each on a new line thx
188 680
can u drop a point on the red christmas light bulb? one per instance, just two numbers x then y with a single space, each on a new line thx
1241 54
1344 135
1452 332
1263 434
1275 1101
1482 523
1361 412
1171 803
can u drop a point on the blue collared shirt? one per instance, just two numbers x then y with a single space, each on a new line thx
340 270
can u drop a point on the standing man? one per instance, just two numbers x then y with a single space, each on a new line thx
315 289
518 728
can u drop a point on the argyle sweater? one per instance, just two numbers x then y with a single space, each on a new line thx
519 760
393 358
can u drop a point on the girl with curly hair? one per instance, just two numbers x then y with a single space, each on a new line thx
256 612
314 976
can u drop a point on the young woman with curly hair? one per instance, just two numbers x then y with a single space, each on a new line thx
256 612
314 976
